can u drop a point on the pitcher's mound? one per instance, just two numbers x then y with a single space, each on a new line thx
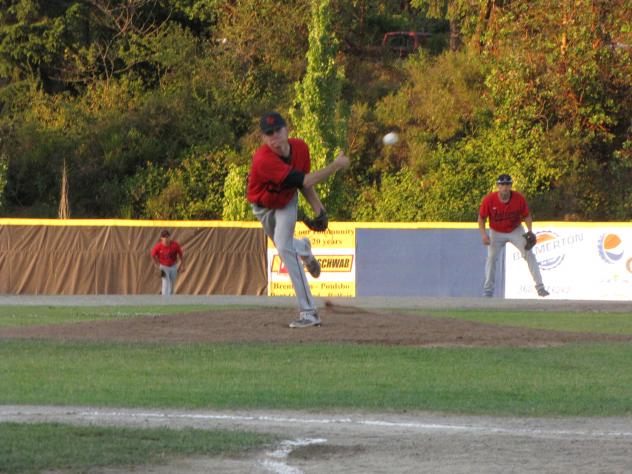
340 325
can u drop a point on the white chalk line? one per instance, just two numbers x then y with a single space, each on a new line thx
405 425
278 463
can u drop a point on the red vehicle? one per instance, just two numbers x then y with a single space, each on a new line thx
402 43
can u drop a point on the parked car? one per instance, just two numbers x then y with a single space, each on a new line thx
402 43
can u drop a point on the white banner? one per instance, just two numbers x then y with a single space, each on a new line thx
576 262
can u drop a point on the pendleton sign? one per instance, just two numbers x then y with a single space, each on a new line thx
334 249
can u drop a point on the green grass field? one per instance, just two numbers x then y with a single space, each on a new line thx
605 323
567 380
33 448
34 315
572 380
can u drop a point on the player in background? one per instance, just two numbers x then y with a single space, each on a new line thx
506 209
165 255
280 167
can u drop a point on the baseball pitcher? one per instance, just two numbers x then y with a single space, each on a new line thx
280 167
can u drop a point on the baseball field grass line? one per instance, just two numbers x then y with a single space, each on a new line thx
555 381
35 315
35 447
603 323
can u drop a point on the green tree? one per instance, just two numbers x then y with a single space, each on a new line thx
316 112
235 206
398 197
544 94
4 167
268 38
443 116
33 35
203 14
559 70
194 189
468 20
187 91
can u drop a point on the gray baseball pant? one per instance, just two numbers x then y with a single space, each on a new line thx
169 280
497 241
279 225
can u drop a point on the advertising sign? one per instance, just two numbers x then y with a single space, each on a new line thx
334 249
576 263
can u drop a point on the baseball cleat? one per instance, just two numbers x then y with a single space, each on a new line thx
313 267
542 292
306 321
311 263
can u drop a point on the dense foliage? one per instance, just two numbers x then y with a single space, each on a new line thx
318 94
154 104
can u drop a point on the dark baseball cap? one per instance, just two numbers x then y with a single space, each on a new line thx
504 179
165 233
271 121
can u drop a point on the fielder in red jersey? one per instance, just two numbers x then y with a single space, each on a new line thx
505 216
506 210
165 255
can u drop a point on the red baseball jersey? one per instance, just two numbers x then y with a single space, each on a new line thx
167 254
269 170
504 217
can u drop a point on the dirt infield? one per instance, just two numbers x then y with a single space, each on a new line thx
341 324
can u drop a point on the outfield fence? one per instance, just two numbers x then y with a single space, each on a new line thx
590 261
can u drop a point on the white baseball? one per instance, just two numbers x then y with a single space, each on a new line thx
390 138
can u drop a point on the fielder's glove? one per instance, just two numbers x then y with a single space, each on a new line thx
318 223
162 274
531 239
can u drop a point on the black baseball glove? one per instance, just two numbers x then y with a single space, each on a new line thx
162 274
531 239
318 223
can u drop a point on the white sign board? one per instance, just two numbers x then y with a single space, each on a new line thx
576 263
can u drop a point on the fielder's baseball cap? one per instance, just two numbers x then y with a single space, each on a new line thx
271 121
165 233
504 179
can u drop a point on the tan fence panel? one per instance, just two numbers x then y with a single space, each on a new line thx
5 259
115 259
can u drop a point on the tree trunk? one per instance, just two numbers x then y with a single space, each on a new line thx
64 205
455 35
